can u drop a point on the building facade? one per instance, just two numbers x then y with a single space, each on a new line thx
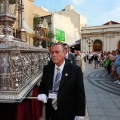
72 22
101 38
66 25
30 10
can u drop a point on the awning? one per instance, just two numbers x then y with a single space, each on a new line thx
76 43
27 28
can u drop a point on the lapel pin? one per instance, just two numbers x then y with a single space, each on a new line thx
66 74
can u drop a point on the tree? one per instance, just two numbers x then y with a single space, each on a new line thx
36 20
50 36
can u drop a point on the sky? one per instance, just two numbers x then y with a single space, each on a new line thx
97 12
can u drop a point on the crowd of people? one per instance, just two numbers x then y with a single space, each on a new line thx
109 60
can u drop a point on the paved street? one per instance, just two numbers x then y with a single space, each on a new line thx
102 95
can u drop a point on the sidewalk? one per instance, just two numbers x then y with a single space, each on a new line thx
102 95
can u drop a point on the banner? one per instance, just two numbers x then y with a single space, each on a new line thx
60 35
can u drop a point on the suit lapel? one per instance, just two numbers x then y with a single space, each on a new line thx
69 57
51 74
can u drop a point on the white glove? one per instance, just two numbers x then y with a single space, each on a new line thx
79 118
42 97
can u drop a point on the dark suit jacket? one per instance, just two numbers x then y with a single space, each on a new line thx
71 95
71 57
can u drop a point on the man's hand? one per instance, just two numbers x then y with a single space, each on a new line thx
42 97
79 118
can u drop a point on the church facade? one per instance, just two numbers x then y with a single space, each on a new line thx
101 38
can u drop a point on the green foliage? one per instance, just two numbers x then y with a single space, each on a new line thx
43 44
50 36
36 20
35 43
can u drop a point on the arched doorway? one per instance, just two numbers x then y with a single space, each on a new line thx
97 46
119 45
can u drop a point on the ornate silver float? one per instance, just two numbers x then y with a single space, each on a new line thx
21 65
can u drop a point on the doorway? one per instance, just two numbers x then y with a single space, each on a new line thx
97 46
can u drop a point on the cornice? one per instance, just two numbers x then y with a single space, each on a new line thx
100 33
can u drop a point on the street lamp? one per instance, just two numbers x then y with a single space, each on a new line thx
89 42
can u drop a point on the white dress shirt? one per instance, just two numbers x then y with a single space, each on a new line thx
66 55
55 70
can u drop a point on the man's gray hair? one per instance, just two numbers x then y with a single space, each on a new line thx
55 44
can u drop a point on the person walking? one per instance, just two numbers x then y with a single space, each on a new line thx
80 61
62 88
96 62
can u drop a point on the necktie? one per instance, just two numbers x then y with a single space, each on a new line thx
56 87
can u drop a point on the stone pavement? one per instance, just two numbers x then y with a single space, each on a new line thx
102 95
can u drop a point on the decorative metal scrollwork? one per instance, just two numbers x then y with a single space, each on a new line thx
20 69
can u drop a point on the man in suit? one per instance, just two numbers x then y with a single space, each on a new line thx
69 55
70 96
